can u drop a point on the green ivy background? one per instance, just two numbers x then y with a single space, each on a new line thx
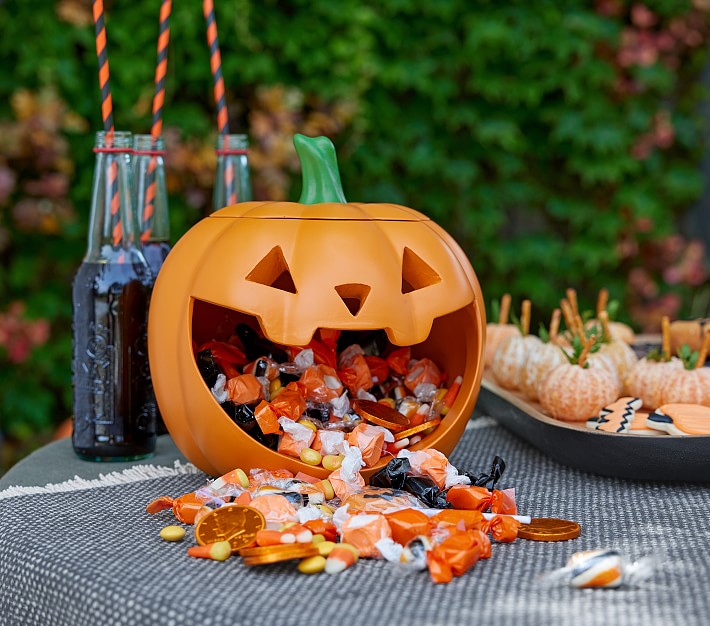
559 142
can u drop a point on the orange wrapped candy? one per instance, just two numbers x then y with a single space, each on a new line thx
296 437
504 502
290 402
454 556
398 360
276 509
470 498
228 357
345 488
379 370
370 440
407 524
353 370
469 520
321 527
428 462
266 418
244 389
363 531
423 371
321 383
503 529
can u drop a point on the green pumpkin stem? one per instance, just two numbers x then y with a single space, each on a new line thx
319 167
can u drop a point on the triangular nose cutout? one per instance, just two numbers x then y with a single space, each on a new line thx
416 273
353 295
273 271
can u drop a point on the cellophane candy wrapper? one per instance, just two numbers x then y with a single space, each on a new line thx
601 569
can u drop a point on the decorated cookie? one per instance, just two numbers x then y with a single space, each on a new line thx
639 427
617 416
681 419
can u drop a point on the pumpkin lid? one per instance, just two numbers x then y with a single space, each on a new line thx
321 211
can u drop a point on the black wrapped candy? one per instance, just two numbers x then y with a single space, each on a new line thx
208 367
426 490
392 475
490 479
256 346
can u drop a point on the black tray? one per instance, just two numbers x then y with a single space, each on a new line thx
652 457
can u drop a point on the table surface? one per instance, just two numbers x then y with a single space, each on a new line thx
76 547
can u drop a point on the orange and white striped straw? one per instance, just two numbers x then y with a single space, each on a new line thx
158 102
107 117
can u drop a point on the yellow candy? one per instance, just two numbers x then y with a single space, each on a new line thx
332 462
317 538
325 508
312 565
325 547
243 478
274 387
310 456
308 424
172 533
390 402
328 489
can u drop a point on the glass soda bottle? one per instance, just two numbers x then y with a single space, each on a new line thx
151 202
114 410
232 182
151 199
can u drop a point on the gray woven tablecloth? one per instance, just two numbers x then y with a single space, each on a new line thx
87 553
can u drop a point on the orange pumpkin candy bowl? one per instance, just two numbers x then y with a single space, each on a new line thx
289 269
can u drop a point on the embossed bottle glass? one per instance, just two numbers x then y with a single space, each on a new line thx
232 181
114 413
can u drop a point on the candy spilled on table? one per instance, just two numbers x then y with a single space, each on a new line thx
343 388
419 513
601 569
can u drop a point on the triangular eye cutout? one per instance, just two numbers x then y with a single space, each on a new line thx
416 273
353 295
273 271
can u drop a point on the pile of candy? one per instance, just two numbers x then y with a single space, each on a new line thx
343 388
418 512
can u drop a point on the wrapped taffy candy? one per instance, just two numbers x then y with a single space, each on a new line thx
407 524
435 465
370 439
296 437
480 499
454 556
347 480
321 383
290 402
363 531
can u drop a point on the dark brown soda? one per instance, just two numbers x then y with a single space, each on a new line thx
114 407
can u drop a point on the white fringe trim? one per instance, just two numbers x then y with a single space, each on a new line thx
130 475
481 422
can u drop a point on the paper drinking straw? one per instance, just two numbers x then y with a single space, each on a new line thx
158 101
219 95
107 117
216 65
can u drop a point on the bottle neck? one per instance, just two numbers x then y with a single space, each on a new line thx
112 228
232 180
150 193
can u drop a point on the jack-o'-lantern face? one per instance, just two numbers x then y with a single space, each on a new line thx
292 268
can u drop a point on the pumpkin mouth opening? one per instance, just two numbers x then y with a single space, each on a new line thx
265 388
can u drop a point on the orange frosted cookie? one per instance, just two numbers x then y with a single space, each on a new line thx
639 427
681 419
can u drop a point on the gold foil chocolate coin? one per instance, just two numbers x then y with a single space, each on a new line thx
276 554
381 415
233 522
410 432
549 529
